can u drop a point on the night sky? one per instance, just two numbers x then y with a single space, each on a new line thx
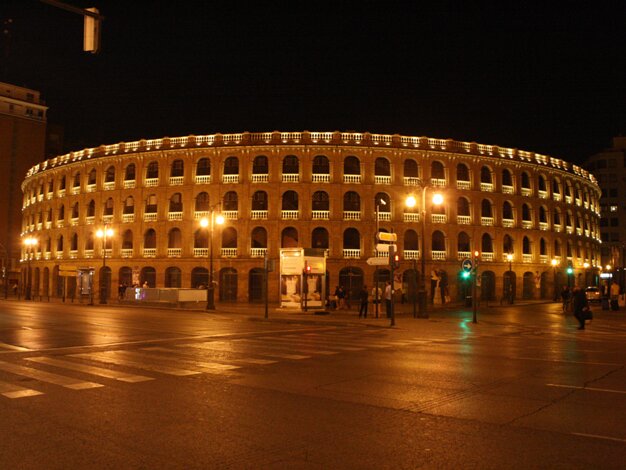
548 77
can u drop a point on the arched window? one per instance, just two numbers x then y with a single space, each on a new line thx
259 201
173 277
507 244
260 165
462 172
543 215
129 205
202 202
438 241
543 250
485 208
178 169
75 210
526 247
74 242
351 166
109 176
525 180
556 189
151 204
437 170
557 216
463 206
526 213
148 276
289 238
351 239
486 243
258 238
463 243
290 201
62 182
321 165
203 167
411 169
149 238
201 239
507 177
351 201
411 242
174 238
557 247
231 201
541 183
485 175
91 209
89 241
291 165
108 207
77 180
61 213
319 238
129 172
320 201
231 166
127 240
60 244
384 202
382 167
199 277
152 170
91 178
176 203
229 237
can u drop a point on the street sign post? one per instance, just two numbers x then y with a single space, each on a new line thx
467 265
378 261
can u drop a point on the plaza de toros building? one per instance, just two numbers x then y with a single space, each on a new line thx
528 216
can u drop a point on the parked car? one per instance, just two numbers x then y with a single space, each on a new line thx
593 294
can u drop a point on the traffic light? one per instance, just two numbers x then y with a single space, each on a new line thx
476 254
91 27
570 270
465 274
396 261
307 268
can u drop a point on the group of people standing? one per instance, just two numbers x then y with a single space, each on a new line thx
576 300
340 300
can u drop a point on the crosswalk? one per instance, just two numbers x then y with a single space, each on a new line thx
144 363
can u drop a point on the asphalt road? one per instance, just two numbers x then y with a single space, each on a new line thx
111 387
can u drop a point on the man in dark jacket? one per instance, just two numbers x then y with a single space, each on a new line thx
363 297
580 306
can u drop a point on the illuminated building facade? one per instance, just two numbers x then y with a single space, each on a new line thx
314 190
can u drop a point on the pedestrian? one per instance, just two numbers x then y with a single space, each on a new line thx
122 290
434 283
364 297
614 295
145 284
443 286
341 298
581 306
565 296
377 297
388 294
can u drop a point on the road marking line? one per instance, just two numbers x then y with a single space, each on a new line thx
567 362
314 343
289 347
13 391
12 347
207 346
607 438
111 374
110 357
49 377
593 389
242 351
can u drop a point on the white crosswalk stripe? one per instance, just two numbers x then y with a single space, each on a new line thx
111 374
49 377
13 391
126 359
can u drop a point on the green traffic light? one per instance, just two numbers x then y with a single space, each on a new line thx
466 274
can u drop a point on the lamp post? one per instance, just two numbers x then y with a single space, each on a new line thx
376 298
209 224
411 202
554 263
29 242
509 258
103 233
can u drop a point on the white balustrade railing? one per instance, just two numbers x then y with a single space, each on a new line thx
556 196
258 215
260 178
320 215
174 252
351 253
439 218
129 184
201 214
91 188
486 256
200 252
150 216
229 252
506 189
508 223
290 177
438 182
461 255
527 258
230 215
320 178
90 220
527 224
384 216
462 184
174 216
437 255
74 221
412 181
527 192
290 215
149 252
230 179
486 187
109 185
151 182
107 219
89 253
127 218
542 194
543 226
486 221
258 252
203 179
127 252
351 215
352 179
382 179
463 219
411 254
176 180
411 217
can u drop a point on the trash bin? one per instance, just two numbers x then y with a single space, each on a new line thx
468 301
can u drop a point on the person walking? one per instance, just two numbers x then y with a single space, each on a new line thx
364 297
388 299
614 290
565 296
581 306
341 298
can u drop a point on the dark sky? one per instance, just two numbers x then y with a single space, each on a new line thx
547 76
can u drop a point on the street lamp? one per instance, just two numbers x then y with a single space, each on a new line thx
103 233
411 202
209 224
379 202
509 258
29 242
554 263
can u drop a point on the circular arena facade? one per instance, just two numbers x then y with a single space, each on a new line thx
528 216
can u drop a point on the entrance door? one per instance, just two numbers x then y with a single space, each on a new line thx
255 285
228 285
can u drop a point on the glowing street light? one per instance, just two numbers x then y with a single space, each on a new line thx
411 202
209 224
554 263
103 233
29 243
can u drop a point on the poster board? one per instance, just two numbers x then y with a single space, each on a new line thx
300 289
